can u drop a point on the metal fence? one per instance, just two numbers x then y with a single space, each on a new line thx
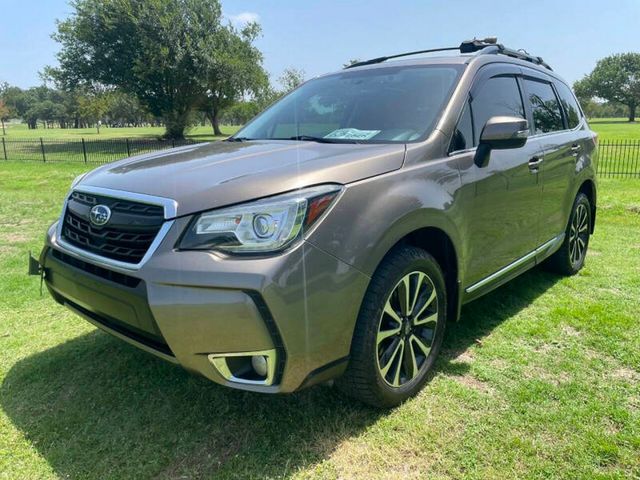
617 158
82 150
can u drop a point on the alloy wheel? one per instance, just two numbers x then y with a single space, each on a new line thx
407 329
579 235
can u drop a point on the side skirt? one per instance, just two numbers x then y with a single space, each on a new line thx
513 269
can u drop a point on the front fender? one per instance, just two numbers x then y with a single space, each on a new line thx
375 214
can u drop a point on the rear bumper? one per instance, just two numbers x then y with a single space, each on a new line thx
186 306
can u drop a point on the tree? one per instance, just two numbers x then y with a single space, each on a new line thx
4 115
617 79
290 79
234 72
94 108
155 50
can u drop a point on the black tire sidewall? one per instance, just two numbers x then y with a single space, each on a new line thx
410 259
580 199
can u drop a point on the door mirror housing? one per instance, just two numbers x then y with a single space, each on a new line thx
501 133
505 132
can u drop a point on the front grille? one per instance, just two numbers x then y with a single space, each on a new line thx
126 237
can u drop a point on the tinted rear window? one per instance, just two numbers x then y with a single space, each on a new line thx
545 107
570 105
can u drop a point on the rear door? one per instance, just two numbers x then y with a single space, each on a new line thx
503 212
551 132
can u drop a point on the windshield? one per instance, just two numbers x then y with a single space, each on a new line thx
391 104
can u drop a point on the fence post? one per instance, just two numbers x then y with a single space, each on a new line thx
44 158
128 149
84 150
4 148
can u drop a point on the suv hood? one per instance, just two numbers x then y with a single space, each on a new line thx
210 175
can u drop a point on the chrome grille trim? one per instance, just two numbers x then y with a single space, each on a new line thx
170 207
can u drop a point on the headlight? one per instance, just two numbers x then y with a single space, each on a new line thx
263 226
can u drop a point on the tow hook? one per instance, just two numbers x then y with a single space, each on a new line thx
36 268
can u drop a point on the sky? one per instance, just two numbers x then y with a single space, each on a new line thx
318 36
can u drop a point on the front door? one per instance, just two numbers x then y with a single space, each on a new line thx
503 216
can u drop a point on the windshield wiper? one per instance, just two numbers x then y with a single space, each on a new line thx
311 138
238 139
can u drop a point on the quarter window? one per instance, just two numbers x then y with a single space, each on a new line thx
497 97
545 107
463 135
570 105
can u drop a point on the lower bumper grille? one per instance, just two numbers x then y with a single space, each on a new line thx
139 336
110 275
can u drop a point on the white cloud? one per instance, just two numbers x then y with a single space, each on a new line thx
243 18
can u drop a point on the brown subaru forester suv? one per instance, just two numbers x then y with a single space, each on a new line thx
335 235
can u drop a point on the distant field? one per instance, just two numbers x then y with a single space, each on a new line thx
615 128
20 131
607 129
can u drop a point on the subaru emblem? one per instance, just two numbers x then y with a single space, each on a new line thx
100 215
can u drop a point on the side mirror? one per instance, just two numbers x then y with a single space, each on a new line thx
501 133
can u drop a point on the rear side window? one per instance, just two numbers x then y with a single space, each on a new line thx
498 96
569 104
545 107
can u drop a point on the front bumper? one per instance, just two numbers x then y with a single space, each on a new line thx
186 306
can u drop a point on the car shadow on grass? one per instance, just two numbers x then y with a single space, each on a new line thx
94 407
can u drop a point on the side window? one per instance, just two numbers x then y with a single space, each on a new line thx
545 107
569 104
498 96
463 135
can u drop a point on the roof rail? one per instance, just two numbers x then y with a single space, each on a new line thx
483 46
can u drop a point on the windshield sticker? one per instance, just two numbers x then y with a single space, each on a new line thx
352 134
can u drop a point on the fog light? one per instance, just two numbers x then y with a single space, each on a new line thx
259 364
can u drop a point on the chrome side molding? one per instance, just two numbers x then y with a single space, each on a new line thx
545 247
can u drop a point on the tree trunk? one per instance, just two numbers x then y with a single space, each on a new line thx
632 113
3 132
175 123
213 116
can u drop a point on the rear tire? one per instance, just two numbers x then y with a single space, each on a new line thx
569 259
399 330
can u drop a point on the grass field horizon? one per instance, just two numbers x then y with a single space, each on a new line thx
20 131
606 128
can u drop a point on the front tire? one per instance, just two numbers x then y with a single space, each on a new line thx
399 330
569 259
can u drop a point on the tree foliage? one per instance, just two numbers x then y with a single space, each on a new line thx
77 108
290 79
172 55
616 79
152 49
234 71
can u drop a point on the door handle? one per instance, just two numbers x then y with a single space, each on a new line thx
575 149
534 164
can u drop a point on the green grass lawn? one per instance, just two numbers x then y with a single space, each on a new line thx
540 379
615 128
17 131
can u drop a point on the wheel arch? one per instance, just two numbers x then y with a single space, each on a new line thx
588 187
440 244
